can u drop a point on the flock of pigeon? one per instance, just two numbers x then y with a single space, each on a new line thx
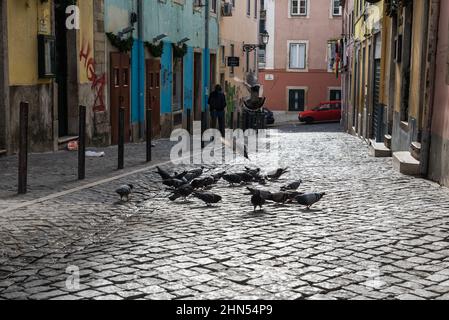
195 183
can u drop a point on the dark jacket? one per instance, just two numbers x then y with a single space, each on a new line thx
217 101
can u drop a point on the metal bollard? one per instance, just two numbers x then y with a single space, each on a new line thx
23 148
203 127
189 121
82 143
149 134
121 139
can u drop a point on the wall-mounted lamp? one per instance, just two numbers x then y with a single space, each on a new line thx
183 41
160 37
264 38
126 31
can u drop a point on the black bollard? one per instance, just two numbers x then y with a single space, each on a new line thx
82 143
149 134
203 127
189 121
23 148
121 139
239 126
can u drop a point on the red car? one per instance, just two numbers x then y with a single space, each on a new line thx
326 111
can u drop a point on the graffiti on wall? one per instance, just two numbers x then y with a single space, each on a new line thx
98 81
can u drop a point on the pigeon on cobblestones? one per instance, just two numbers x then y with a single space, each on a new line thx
233 179
246 177
292 186
208 198
164 174
200 183
309 199
218 176
267 195
125 191
257 200
280 197
275 175
182 192
193 174
174 183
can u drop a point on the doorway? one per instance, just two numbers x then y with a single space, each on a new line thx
296 100
197 88
153 94
61 63
120 96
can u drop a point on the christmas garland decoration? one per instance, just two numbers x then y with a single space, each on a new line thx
124 45
156 50
179 52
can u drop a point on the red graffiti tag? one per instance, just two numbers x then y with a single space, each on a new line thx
98 81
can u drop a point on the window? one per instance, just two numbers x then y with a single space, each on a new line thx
248 7
298 7
213 6
223 55
334 95
177 84
298 55
336 8
296 100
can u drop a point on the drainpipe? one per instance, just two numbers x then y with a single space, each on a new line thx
434 13
141 63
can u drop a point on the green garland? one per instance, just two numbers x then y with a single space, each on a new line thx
179 52
124 45
156 50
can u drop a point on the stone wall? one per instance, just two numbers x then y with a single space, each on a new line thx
4 95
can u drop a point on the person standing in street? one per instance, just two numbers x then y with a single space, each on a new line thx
217 103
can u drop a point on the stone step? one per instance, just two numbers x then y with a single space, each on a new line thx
405 163
387 141
379 150
415 150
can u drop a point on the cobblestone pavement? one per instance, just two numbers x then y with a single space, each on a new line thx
54 172
376 235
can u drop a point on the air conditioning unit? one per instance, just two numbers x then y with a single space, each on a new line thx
226 9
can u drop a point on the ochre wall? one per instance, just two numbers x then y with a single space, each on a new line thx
25 20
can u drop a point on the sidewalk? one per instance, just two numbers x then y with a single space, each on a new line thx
50 173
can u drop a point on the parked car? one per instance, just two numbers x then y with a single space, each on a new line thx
326 112
268 115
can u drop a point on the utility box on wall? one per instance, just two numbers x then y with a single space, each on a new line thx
46 56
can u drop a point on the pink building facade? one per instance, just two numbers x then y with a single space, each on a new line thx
299 70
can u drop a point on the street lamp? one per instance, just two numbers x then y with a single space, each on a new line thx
264 38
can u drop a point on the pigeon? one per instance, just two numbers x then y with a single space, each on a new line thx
180 176
246 177
164 174
193 174
257 200
174 183
205 182
232 179
292 195
208 198
254 172
125 191
277 174
309 199
218 176
280 197
183 191
292 186
267 195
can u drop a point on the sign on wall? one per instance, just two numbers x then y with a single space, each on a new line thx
233 62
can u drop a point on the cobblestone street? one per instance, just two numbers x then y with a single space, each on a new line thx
376 235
